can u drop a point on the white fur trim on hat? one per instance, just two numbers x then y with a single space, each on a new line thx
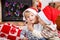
31 10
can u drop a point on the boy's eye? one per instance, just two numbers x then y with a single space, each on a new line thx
28 17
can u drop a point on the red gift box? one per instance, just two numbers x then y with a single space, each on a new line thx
10 32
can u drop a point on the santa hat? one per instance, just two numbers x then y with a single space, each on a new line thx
51 13
31 10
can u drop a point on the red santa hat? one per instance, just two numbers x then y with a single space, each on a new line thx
31 10
51 13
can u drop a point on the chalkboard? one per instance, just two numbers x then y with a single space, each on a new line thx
12 9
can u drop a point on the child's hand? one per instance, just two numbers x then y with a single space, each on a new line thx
51 27
30 26
25 38
48 28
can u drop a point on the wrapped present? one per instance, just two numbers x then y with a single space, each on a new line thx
10 31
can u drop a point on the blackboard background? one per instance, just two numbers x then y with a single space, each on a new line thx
25 2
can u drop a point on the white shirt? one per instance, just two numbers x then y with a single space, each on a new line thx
32 35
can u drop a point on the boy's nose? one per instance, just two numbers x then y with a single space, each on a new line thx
30 17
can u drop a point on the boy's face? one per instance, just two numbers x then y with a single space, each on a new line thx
30 17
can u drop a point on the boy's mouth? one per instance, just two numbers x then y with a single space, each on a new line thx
31 20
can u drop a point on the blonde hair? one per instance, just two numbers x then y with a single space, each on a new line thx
33 1
26 13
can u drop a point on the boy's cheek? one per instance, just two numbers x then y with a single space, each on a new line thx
27 20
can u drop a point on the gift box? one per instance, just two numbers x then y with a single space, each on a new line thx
10 31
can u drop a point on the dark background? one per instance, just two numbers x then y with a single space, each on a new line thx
20 18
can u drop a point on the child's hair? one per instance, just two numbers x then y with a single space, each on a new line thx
25 13
33 1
